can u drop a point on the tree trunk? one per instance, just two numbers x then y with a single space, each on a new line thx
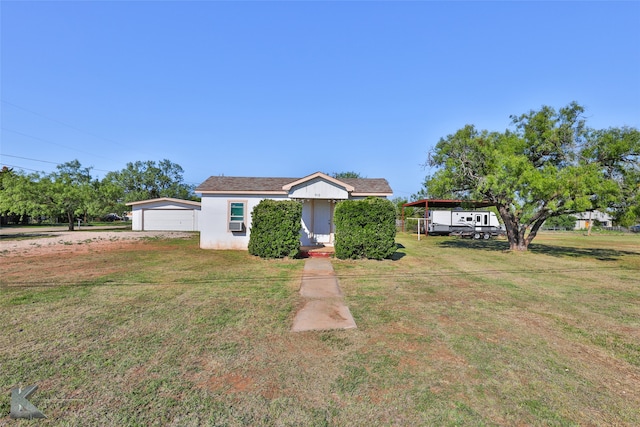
519 243
515 232
70 218
590 224
534 229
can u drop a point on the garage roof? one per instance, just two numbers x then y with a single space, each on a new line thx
165 199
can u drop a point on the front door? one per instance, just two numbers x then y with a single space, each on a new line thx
322 221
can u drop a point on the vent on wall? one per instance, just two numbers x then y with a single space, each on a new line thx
236 226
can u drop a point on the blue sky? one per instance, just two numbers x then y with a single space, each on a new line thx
289 88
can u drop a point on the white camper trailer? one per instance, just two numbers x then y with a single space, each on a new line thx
476 224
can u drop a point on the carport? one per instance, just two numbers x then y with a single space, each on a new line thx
442 204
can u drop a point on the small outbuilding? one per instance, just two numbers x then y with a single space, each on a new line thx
165 214
583 219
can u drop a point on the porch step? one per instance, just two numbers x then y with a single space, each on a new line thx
317 251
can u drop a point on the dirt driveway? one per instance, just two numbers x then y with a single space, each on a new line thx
42 241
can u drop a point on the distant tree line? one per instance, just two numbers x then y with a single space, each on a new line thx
71 193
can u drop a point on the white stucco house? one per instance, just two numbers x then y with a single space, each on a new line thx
227 203
165 214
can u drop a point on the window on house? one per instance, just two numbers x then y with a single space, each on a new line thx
237 219
236 211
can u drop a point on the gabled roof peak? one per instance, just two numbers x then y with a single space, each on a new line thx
320 175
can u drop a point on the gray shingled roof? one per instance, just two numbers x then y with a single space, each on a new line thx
368 185
256 184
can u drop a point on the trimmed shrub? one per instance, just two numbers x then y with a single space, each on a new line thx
365 228
275 229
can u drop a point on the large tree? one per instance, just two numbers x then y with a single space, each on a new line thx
348 174
69 191
19 194
617 151
147 180
549 164
66 192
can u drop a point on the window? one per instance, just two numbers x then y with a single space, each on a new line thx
237 211
478 219
469 218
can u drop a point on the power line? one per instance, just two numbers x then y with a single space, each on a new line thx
55 143
19 167
26 158
69 126
61 122
45 161
58 164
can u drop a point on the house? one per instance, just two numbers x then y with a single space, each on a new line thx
599 218
227 203
165 214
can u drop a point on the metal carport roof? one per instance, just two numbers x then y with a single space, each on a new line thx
444 203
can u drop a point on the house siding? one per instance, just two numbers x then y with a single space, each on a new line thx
214 227
318 189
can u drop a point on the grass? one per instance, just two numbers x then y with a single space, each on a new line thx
453 332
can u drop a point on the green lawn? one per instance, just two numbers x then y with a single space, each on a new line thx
451 332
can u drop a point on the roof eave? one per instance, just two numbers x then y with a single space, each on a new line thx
163 199
371 194
239 192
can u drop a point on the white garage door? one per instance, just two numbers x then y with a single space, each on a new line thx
169 220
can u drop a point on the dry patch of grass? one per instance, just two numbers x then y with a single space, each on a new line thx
451 333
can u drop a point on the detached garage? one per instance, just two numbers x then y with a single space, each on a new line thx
165 214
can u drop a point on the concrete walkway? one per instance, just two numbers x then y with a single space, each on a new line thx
324 307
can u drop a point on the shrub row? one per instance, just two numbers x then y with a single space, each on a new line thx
275 229
365 228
